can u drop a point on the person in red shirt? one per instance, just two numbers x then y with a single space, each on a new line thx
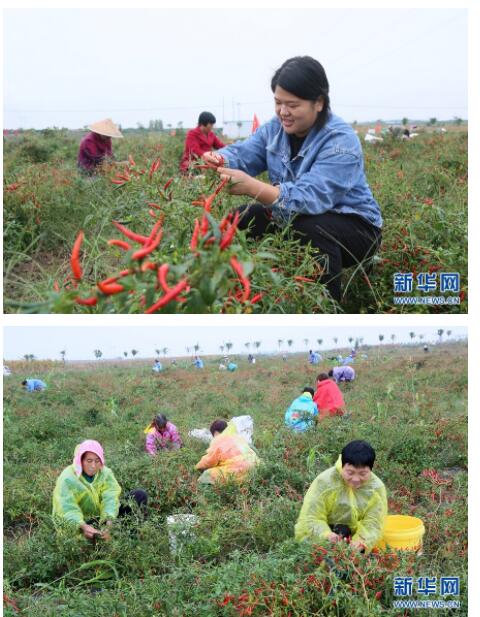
96 147
328 397
200 140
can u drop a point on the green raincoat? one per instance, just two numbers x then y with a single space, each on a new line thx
330 501
77 501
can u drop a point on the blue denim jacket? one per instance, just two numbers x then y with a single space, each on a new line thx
326 175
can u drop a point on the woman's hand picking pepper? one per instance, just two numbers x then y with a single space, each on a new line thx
212 158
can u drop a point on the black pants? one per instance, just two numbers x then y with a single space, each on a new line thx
346 239
138 495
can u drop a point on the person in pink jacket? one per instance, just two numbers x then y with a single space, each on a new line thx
328 397
161 435
228 455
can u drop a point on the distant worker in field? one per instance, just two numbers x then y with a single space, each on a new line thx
303 412
87 495
96 147
200 140
346 501
161 435
34 385
328 397
157 367
317 179
198 362
342 373
228 455
314 357
251 359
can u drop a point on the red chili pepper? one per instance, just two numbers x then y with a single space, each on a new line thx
114 279
194 240
304 279
198 202
56 286
141 253
131 234
121 182
75 257
221 185
153 205
237 268
148 265
120 243
225 222
167 184
152 214
110 289
204 225
162 277
230 233
92 301
12 187
131 161
168 297
256 298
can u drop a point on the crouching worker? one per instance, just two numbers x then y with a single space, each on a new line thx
346 500
328 397
161 435
87 495
303 412
228 455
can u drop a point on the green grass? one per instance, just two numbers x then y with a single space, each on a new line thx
421 186
411 406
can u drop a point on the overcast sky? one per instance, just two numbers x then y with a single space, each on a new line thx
46 342
68 68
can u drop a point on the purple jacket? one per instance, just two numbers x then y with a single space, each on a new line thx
170 438
93 150
343 373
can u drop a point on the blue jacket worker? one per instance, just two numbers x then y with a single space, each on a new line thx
302 413
316 172
314 357
34 385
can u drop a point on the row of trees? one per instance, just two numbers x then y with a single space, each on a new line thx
255 345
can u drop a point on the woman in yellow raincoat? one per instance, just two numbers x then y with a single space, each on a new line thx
87 495
347 499
228 455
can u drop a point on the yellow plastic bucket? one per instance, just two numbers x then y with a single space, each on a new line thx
402 533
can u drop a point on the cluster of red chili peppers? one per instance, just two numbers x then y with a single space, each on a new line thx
228 226
131 171
112 285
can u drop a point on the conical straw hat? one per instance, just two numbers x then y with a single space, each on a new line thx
105 127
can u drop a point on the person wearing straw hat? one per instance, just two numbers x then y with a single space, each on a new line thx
96 147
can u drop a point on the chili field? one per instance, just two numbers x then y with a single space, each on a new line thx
196 260
242 559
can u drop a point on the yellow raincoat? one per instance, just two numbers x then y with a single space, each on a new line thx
330 501
228 454
77 501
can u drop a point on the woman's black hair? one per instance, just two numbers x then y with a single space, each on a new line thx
330 372
218 426
206 118
305 77
311 390
322 376
358 453
160 420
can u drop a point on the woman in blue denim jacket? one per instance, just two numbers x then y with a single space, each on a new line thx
317 180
